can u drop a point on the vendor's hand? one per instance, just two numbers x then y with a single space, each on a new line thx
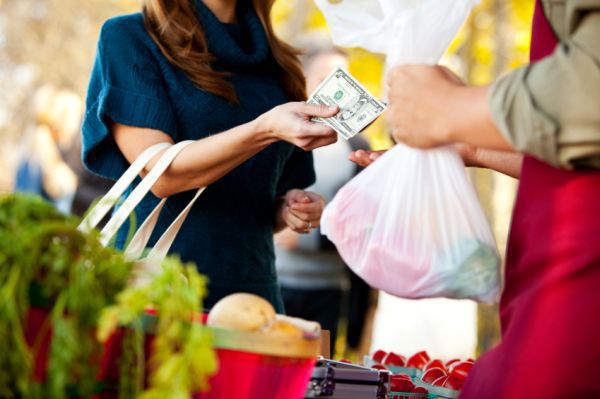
467 152
301 210
365 158
291 122
418 112
287 239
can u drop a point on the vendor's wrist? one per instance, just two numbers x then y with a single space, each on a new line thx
454 115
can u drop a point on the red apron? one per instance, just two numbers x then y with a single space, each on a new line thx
550 307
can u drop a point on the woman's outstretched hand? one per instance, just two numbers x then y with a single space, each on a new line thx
291 122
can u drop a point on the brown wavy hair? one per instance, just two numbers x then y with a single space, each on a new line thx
174 26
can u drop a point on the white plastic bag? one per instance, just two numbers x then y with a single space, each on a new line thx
407 31
411 225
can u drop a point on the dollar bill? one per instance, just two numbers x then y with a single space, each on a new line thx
358 108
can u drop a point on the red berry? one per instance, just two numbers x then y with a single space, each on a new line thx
418 360
393 359
453 383
379 355
403 375
440 381
420 390
460 370
435 363
401 384
433 374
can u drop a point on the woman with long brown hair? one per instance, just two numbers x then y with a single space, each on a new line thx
211 71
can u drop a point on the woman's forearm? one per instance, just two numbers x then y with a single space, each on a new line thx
208 159
201 163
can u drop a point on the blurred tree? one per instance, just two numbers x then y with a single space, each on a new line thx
44 41
498 39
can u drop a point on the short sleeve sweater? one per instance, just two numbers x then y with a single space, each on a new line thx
229 233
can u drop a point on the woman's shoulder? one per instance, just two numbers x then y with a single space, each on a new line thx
124 30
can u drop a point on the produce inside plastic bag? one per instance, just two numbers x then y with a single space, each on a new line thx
418 232
411 224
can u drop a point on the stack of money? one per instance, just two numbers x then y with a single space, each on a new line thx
358 108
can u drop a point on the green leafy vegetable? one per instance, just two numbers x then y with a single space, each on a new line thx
182 358
47 264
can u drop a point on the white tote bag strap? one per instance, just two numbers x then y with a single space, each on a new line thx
140 192
151 265
140 240
114 194
163 245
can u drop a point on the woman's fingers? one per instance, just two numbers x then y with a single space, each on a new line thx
296 196
310 209
307 217
292 122
318 110
299 225
294 222
315 130
303 210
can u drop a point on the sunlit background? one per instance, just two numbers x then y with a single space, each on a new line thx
53 42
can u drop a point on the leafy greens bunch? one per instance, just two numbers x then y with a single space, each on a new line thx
48 265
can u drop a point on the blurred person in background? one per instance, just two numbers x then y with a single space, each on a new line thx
41 167
315 282
91 187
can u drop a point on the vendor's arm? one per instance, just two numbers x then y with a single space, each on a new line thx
551 109
506 162
548 109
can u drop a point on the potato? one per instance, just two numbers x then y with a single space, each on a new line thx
242 312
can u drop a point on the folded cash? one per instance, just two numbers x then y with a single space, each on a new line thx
358 108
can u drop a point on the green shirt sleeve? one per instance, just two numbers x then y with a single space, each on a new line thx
551 109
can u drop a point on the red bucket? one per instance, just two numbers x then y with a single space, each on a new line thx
257 365
246 375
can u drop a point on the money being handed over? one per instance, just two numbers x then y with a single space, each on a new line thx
358 108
